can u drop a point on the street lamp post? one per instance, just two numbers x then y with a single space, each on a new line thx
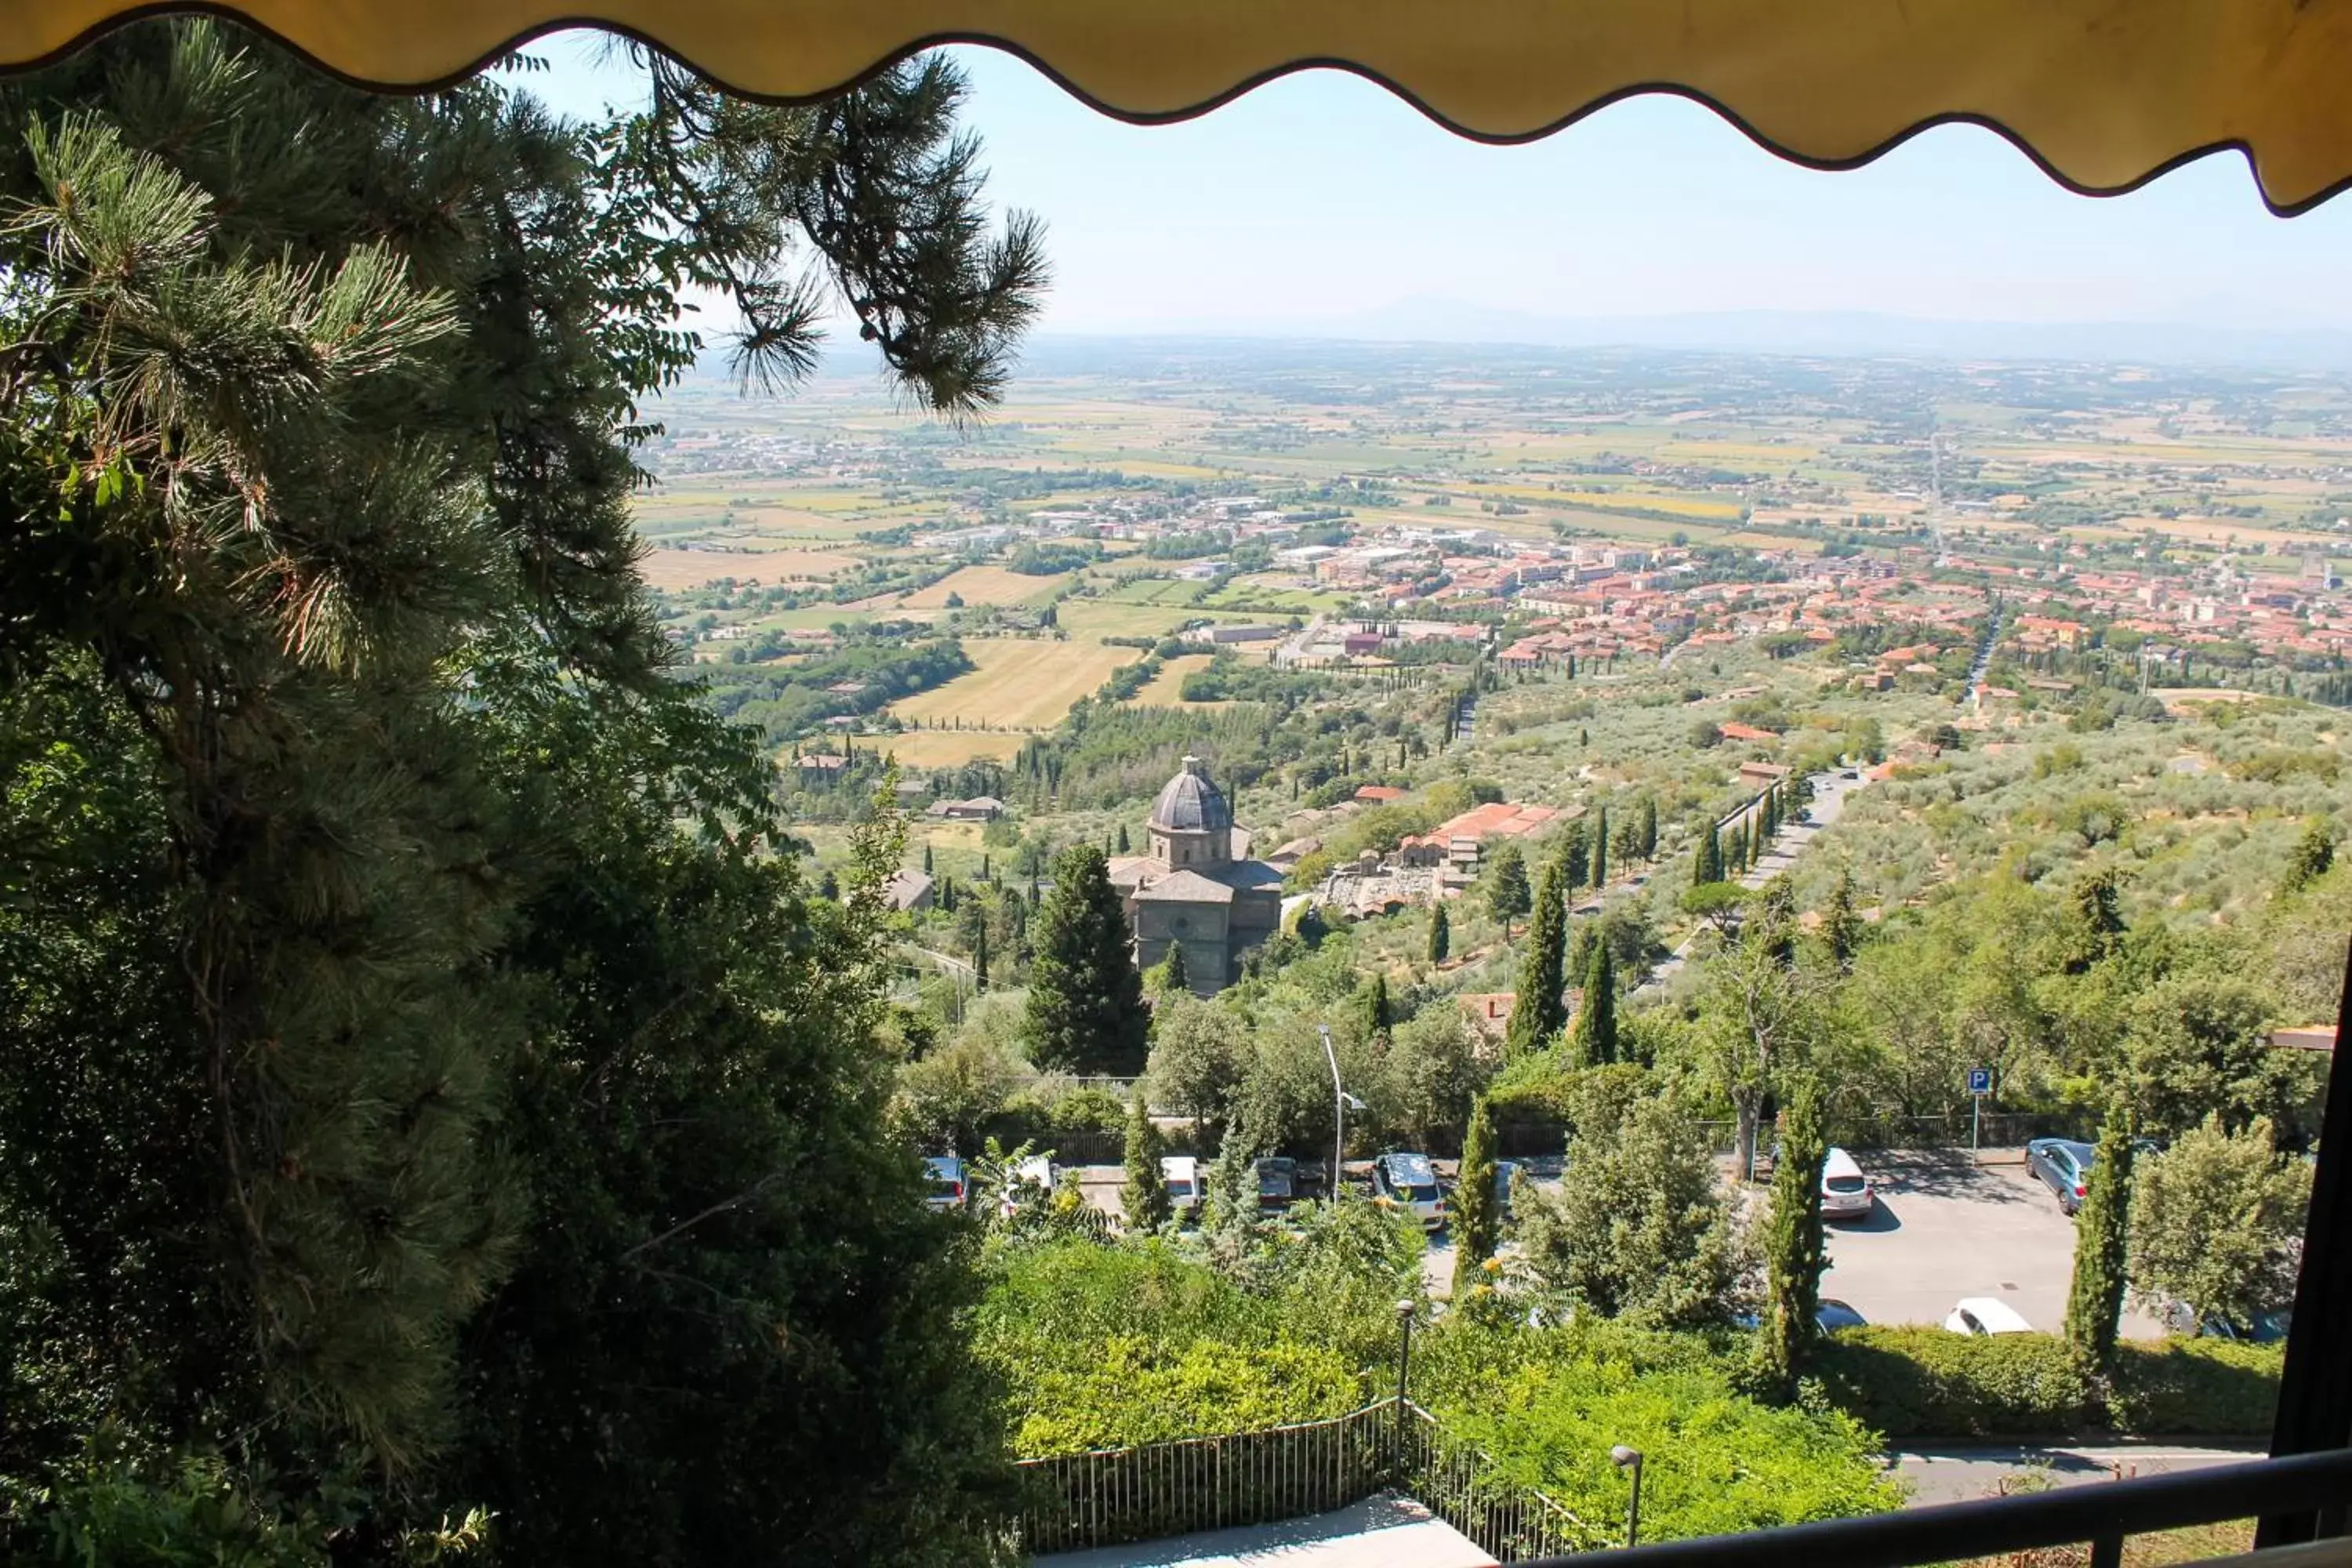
1626 1459
1341 1101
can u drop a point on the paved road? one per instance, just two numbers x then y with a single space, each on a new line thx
1383 1533
1830 792
1961 1474
1945 1227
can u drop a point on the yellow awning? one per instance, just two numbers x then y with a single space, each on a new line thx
2104 93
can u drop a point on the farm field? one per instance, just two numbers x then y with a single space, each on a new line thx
1021 683
693 568
1166 689
985 585
949 748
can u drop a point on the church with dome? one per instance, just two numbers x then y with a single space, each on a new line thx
1198 889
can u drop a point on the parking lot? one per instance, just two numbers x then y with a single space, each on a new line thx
1944 1226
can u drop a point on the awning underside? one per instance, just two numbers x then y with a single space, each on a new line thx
2105 94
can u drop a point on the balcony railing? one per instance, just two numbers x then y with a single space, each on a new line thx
2306 1494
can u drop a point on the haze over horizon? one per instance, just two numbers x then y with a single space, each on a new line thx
1320 205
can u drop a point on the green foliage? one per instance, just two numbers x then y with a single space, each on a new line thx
1540 1011
1549 1405
1595 1041
1144 1199
2214 1219
1086 999
1441 935
1641 1230
2095 1297
1794 1251
2195 1386
1506 875
1930 1382
2312 854
1474 1213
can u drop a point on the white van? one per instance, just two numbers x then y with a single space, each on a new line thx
1181 1173
1845 1191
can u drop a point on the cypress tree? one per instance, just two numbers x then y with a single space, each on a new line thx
1840 926
2095 1298
1706 859
1596 1022
1086 1011
980 957
1474 1217
926 860
1649 828
1575 854
1144 1198
1441 934
1376 1016
1123 840
983 866
1794 1254
1600 847
1538 1013
1175 976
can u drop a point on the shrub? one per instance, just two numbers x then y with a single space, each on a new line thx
2212 1387
1133 1390
1923 1382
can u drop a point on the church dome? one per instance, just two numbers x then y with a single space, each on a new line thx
1189 802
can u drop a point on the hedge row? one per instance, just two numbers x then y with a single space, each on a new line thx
1929 1382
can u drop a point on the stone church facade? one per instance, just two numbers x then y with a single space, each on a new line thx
1197 888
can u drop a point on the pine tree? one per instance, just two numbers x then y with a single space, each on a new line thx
1538 1013
1086 1011
1506 886
2095 1298
1144 1199
1649 828
1441 935
1474 1217
1596 1022
1794 1253
1600 847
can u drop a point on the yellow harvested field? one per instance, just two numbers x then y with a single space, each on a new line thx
1022 683
947 748
1166 689
983 585
693 568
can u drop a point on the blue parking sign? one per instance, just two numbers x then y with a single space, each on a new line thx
1980 1080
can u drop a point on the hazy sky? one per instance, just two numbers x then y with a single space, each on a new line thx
1321 196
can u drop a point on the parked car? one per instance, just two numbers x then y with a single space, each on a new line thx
1410 1182
1031 1181
1831 1315
946 1174
1984 1316
2267 1327
1277 1183
1504 1170
2065 1167
1181 1173
1846 1191
1834 1315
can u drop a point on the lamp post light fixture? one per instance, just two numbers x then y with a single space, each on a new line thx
1342 1104
1626 1459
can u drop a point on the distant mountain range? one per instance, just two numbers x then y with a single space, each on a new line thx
1836 333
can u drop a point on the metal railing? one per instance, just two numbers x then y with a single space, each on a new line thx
2313 1487
1113 1496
